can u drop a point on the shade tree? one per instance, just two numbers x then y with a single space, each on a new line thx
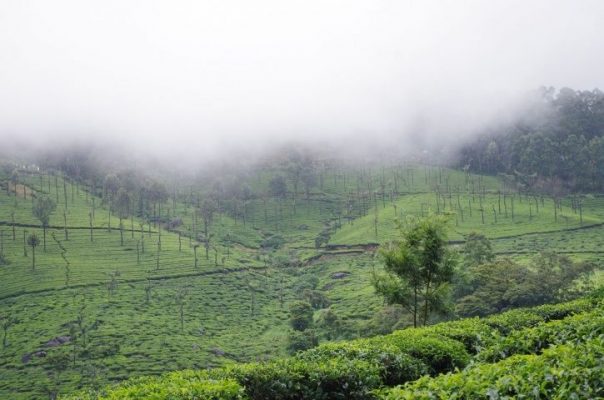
42 209
418 269
33 241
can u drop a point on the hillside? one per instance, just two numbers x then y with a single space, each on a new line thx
553 352
104 304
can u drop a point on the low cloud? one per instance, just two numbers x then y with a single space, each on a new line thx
192 81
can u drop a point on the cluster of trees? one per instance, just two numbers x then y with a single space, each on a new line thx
487 285
424 276
560 143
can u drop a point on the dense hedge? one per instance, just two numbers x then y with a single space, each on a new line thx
355 369
563 372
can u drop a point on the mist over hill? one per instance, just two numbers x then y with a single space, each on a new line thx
301 200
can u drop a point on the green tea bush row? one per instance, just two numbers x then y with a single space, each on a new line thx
474 333
526 317
355 369
439 353
572 371
576 328
175 385
395 365
291 378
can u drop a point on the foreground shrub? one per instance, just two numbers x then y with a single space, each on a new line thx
527 317
176 385
395 366
439 353
472 332
577 328
355 369
298 379
562 372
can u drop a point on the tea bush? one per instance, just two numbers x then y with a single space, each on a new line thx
572 371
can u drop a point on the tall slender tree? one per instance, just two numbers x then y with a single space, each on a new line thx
122 207
418 269
43 207
207 210
33 241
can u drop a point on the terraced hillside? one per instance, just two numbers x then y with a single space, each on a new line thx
104 303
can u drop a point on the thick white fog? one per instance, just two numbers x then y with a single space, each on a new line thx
198 79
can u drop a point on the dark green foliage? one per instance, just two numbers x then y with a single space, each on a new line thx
477 250
301 314
505 284
272 242
4 259
301 340
278 187
330 323
322 238
316 298
386 320
564 151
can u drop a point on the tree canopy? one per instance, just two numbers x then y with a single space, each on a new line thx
504 284
560 141
418 269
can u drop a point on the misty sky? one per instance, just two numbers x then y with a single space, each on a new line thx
198 77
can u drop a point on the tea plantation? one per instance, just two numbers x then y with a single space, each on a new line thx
543 352
109 307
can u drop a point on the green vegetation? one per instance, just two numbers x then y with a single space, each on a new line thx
140 278
362 368
560 154
499 285
561 372
419 269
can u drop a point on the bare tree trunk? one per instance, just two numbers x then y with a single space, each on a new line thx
415 307
13 225
65 225
121 232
